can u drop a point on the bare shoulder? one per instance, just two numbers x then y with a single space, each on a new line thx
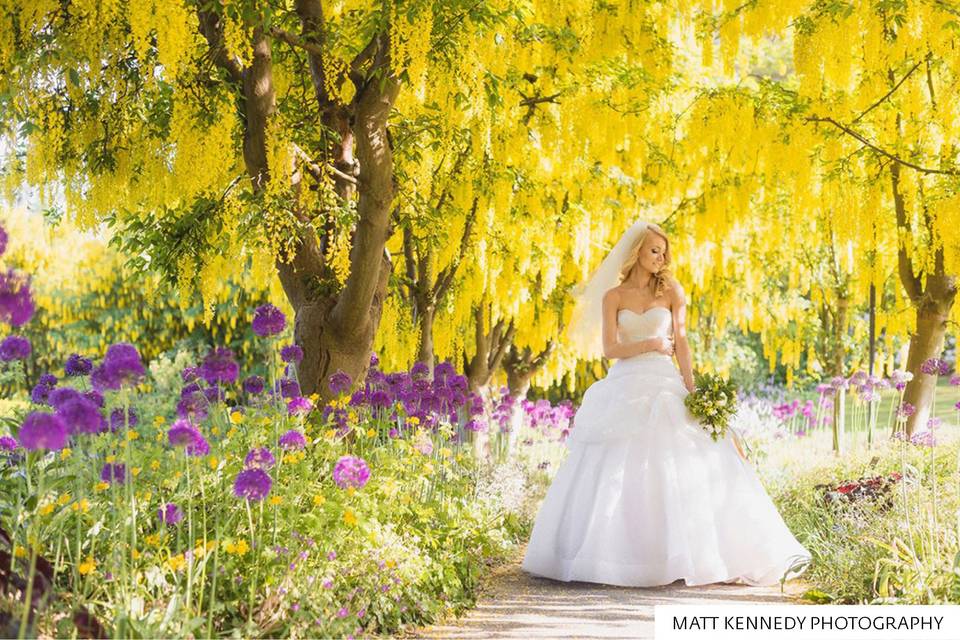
675 292
612 296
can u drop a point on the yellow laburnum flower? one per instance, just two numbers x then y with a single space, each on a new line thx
236 417
176 562
318 500
87 567
135 471
46 509
349 518
65 453
132 435
64 499
275 500
155 465
101 486
213 462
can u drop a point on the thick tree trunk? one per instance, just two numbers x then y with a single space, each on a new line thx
425 351
490 348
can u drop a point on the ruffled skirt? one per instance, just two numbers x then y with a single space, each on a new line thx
646 497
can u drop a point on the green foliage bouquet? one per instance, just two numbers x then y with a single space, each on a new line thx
713 402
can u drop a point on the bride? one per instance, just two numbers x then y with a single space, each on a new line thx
645 496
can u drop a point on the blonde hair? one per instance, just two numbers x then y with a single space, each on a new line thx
661 277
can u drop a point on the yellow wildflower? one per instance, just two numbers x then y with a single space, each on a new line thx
329 433
459 457
351 491
314 397
349 518
275 500
352 415
147 496
318 500
445 452
111 458
159 420
232 432
135 471
136 554
132 435
215 431
87 567
101 486
65 453
155 465
176 562
239 548
159 437
236 417
414 420
46 509
153 540
371 433
178 475
64 499
214 463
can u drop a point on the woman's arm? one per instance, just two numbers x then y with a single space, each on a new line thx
613 348
684 358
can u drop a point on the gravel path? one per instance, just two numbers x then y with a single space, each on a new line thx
513 604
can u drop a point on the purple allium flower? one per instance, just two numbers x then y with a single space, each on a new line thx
40 394
340 382
253 385
169 514
190 389
7 443
194 406
114 473
61 395
252 484
184 434
16 302
95 397
219 366
420 370
906 410
289 388
343 612
116 418
268 320
931 366
327 584
213 394
839 382
260 458
299 406
362 612
81 416
199 447
380 399
190 374
934 423
924 438
42 430
351 471
955 380
374 360
393 433
293 439
14 348
48 379
120 366
77 365
291 353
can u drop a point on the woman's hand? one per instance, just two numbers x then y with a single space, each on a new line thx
662 344
688 383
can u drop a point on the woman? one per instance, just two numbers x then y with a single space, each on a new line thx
645 496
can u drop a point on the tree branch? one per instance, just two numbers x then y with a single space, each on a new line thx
445 279
881 151
296 41
212 30
317 171
911 283
892 90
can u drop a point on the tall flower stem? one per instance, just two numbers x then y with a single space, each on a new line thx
190 544
28 595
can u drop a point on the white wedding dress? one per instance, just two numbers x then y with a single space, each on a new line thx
646 497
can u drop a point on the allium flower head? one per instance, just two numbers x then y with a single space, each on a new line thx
340 382
16 302
7 443
48 379
351 471
289 388
117 421
420 370
934 367
299 406
268 320
81 415
40 394
184 434
194 406
220 367
190 374
839 382
293 439
291 353
121 366
923 438
14 348
252 484
955 380
259 458
906 410
374 360
61 395
77 365
253 385
114 473
42 430
169 514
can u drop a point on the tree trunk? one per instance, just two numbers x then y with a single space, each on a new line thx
490 348
425 352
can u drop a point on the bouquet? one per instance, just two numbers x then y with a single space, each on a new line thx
713 401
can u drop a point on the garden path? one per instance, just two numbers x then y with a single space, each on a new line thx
513 604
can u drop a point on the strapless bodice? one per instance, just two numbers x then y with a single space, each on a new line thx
656 321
